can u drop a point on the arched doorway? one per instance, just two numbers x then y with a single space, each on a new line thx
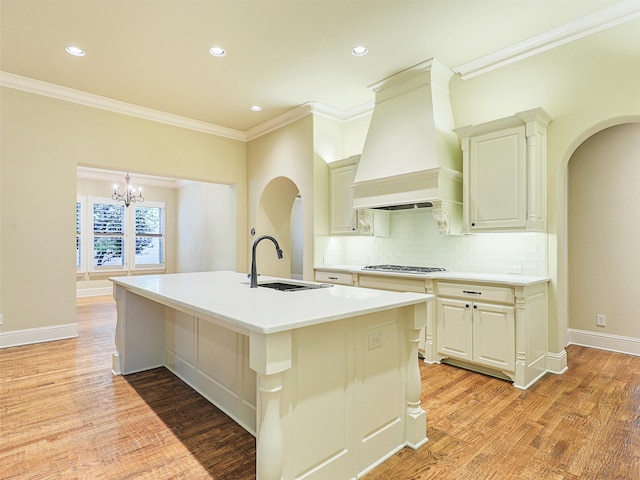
603 227
274 217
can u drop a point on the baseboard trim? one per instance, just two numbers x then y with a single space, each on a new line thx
28 336
557 362
93 292
604 341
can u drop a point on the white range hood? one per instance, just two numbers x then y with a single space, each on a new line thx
411 155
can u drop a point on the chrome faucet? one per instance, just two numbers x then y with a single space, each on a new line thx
254 271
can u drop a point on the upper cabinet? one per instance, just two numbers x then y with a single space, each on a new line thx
343 218
504 173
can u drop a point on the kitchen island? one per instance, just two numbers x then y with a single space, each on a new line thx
327 379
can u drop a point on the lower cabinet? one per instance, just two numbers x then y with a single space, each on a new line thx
496 329
477 332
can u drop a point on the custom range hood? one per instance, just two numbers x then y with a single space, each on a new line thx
411 156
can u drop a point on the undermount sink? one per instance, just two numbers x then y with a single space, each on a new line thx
292 287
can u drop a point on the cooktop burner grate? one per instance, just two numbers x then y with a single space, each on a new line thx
403 268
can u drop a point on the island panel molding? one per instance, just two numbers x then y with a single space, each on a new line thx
348 371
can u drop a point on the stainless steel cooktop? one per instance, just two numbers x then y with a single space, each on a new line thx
403 269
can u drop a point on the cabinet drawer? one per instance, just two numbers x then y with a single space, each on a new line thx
397 284
477 292
341 278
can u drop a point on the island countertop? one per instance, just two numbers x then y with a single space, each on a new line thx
227 296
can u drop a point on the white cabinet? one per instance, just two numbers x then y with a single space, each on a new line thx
343 218
504 173
477 332
339 278
496 329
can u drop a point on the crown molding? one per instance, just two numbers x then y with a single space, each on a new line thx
46 89
58 92
338 115
280 121
304 110
617 14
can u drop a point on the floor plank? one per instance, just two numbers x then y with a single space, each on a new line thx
63 415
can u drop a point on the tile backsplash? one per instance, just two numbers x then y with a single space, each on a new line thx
414 240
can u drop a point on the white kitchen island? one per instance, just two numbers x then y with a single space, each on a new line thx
326 379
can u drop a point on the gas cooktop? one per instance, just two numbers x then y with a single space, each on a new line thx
403 269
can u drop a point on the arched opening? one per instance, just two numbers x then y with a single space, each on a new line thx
603 227
276 210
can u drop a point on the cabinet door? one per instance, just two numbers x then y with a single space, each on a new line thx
498 191
342 216
454 331
494 336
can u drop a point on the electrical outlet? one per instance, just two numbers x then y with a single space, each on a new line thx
601 320
375 340
515 268
326 260
1 319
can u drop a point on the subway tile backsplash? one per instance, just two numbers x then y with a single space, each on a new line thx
414 240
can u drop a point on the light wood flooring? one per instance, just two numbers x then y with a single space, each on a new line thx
63 415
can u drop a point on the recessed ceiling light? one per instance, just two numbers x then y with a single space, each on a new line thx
255 108
75 51
359 51
217 51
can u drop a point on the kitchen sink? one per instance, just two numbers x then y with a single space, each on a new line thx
292 287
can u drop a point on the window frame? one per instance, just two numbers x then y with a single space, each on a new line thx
87 237
162 236
91 267
81 228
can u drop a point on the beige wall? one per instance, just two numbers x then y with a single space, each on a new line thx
286 153
42 142
604 228
584 90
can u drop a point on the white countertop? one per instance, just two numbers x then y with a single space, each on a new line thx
505 279
228 297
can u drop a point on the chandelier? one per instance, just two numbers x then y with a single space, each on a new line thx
129 196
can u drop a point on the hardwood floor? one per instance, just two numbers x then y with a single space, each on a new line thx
63 415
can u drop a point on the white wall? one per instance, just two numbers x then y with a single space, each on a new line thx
206 238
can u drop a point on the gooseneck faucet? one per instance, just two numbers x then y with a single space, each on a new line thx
254 271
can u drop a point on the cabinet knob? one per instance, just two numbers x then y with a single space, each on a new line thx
473 224
467 305
475 306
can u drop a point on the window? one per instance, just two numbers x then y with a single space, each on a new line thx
79 243
119 238
108 235
149 248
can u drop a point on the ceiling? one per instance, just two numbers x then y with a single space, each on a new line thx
280 53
